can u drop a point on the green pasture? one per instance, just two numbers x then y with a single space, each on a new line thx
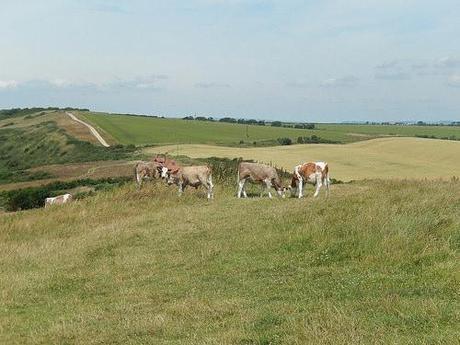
376 263
141 130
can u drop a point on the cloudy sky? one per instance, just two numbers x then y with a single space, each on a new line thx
306 60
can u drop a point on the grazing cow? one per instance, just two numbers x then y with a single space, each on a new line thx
194 176
316 173
58 200
259 173
146 171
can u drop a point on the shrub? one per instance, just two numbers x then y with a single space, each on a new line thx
284 141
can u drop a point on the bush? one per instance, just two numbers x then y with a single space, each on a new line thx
284 141
276 124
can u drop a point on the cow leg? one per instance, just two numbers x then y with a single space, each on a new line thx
318 187
241 188
300 186
268 186
326 183
181 188
138 180
210 188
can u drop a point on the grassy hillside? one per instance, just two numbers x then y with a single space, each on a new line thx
378 158
140 130
32 139
377 263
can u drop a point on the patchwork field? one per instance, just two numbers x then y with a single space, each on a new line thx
377 263
140 130
377 158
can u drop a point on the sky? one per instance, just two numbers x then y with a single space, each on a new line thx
291 60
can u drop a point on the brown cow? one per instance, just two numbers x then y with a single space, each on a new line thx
194 176
146 171
259 173
316 173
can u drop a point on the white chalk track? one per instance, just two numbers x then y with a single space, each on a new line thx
91 128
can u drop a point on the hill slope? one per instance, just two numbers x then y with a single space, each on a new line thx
377 158
46 137
377 263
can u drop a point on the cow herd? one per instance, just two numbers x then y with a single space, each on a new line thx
316 173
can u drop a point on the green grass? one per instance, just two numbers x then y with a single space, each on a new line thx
141 130
377 263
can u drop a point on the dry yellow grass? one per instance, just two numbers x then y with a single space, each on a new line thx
378 158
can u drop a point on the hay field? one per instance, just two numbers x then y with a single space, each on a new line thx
377 158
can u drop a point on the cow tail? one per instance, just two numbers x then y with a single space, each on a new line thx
327 174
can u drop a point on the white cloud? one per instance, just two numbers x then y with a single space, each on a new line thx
211 85
448 62
340 82
454 80
8 84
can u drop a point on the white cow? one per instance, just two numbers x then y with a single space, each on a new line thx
316 173
58 200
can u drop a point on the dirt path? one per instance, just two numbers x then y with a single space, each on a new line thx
91 128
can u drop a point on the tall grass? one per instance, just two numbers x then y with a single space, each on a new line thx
377 263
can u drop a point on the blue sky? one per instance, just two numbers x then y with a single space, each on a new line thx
329 60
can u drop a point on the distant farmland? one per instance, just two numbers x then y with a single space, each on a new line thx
140 130
378 158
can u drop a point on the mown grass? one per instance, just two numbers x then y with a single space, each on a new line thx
378 158
377 263
141 130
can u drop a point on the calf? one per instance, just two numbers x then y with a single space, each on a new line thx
146 171
194 176
259 173
58 200
316 173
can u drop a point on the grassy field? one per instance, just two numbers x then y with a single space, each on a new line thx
142 130
377 263
377 158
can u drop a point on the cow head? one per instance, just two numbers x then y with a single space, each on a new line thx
281 190
169 175
164 172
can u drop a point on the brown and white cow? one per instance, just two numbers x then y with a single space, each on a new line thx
194 176
259 173
146 171
58 200
316 173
